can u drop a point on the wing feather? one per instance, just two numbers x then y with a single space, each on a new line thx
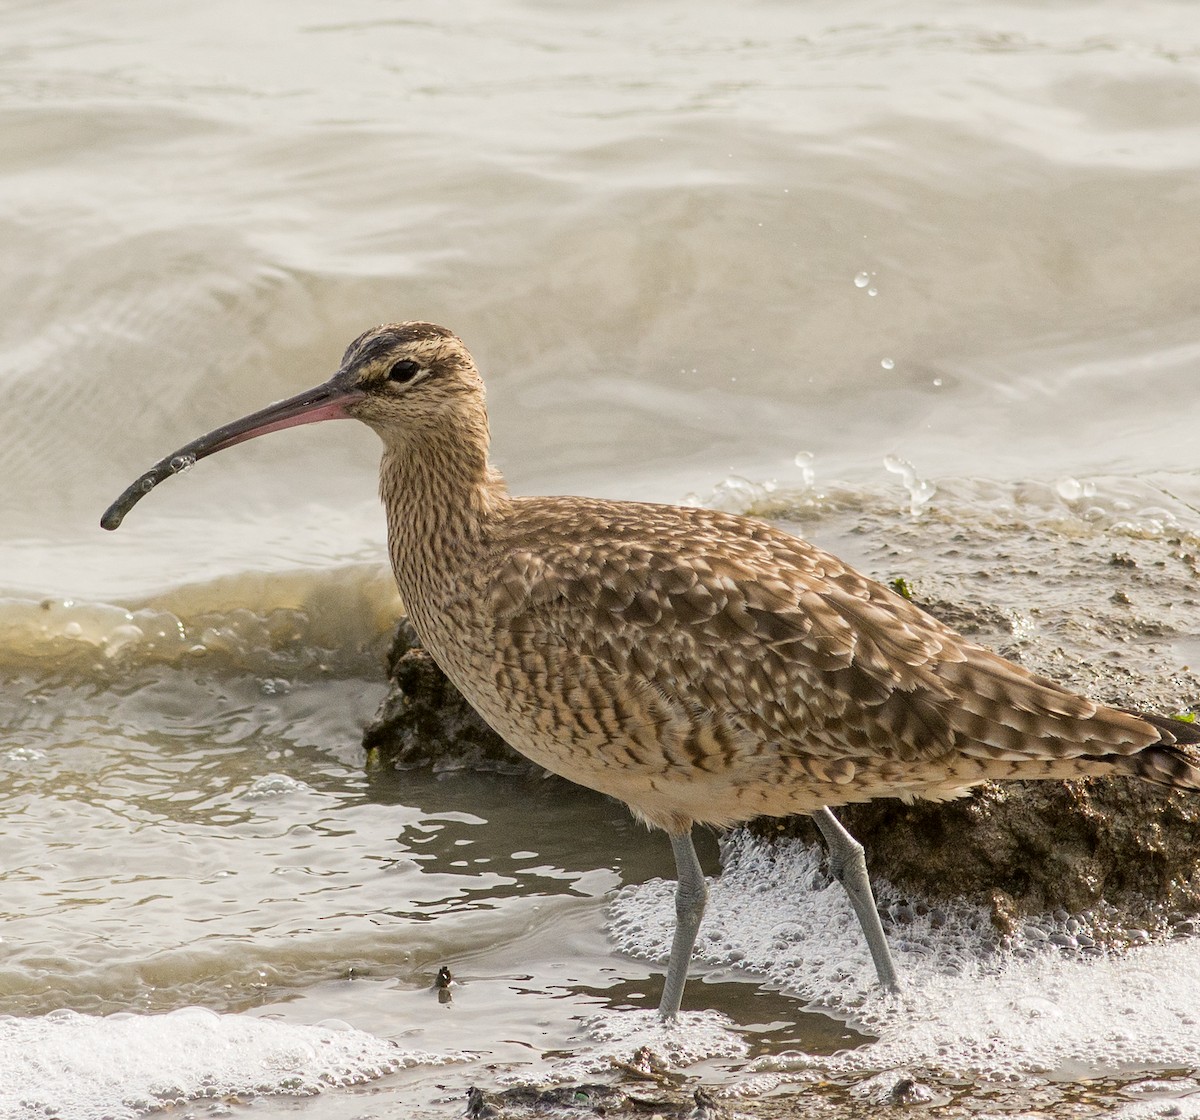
738 625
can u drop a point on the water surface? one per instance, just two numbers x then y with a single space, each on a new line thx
923 270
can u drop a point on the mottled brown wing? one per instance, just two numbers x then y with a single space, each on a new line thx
727 616
730 616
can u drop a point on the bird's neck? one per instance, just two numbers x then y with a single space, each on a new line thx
440 494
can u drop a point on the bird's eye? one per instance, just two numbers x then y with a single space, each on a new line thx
404 370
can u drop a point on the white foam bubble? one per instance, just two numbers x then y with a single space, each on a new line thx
275 785
615 1037
1167 1103
967 1009
84 1067
624 1038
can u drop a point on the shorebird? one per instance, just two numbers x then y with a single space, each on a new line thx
700 666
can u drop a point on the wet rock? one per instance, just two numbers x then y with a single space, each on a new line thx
906 1091
706 1107
1031 847
442 984
586 1100
480 1105
424 720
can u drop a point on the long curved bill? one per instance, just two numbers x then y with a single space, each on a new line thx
325 402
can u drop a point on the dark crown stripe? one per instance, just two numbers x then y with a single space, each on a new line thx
378 341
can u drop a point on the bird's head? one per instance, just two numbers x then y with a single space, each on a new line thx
407 381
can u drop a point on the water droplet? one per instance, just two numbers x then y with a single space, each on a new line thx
182 463
804 460
887 363
872 291
1039 1007
120 637
1069 489
147 484
275 785
862 280
937 382
920 491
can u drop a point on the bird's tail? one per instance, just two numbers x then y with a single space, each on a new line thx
1173 761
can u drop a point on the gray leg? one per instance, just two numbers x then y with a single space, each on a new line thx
849 867
690 897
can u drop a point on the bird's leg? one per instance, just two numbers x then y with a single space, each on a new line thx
690 896
849 867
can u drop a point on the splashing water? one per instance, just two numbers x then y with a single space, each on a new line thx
920 490
805 462
84 1067
967 1009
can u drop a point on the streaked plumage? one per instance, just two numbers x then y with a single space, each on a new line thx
706 667
700 666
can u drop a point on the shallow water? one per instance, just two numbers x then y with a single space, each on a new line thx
918 280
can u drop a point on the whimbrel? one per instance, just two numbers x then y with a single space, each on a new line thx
701 667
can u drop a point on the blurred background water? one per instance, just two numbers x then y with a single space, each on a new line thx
931 257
